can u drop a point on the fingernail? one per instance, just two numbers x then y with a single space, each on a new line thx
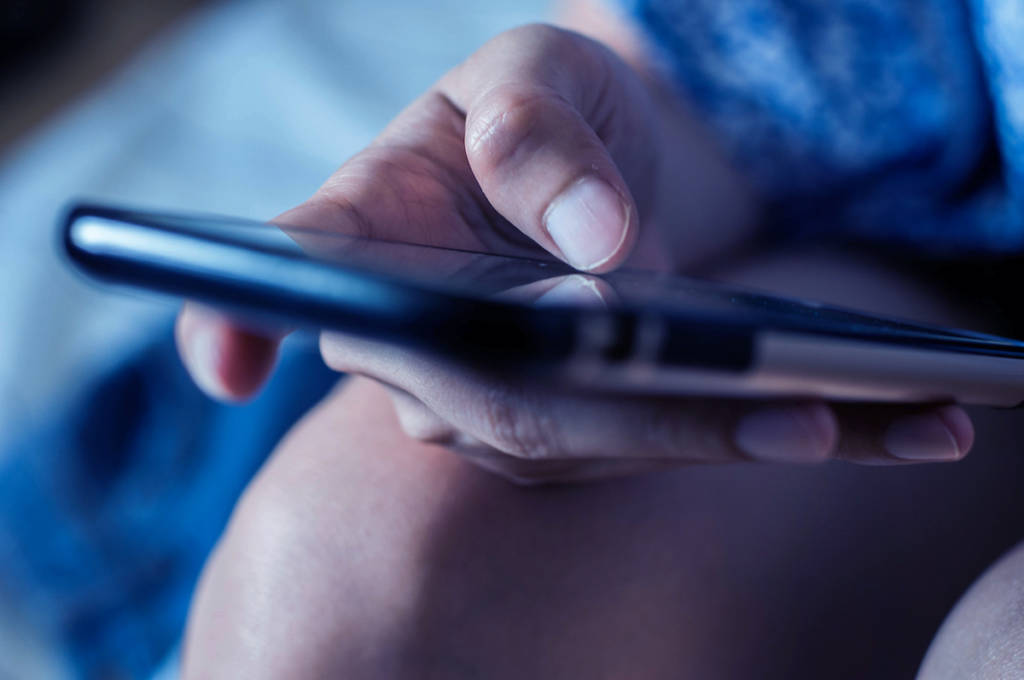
203 356
573 290
588 222
788 433
927 436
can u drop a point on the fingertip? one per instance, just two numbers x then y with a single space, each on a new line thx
935 435
245 363
592 225
789 433
825 426
959 425
225 361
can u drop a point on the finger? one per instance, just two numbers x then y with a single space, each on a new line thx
418 421
914 447
913 433
528 421
868 434
228 361
536 422
422 424
550 116
534 466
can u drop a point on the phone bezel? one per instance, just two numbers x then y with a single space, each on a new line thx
645 349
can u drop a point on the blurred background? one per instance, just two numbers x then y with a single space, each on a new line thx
238 107
117 475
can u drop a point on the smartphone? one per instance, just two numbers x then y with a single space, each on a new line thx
629 331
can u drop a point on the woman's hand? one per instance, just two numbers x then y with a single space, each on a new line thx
544 139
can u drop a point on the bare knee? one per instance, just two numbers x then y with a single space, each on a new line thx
357 553
983 637
299 585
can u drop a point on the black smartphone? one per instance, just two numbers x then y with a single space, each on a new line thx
628 331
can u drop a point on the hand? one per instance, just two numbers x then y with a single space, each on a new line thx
545 139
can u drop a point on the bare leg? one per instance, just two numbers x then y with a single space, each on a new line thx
360 554
983 638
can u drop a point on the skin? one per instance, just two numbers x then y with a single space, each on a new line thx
361 553
367 549
983 638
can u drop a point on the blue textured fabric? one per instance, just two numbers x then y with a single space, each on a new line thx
108 511
899 121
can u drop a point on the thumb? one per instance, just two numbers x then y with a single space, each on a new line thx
551 117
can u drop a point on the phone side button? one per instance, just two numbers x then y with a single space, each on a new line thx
714 345
622 342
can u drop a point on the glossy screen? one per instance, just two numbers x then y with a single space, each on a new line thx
480 275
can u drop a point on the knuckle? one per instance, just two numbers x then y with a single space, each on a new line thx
685 432
333 353
506 126
424 426
515 427
664 432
